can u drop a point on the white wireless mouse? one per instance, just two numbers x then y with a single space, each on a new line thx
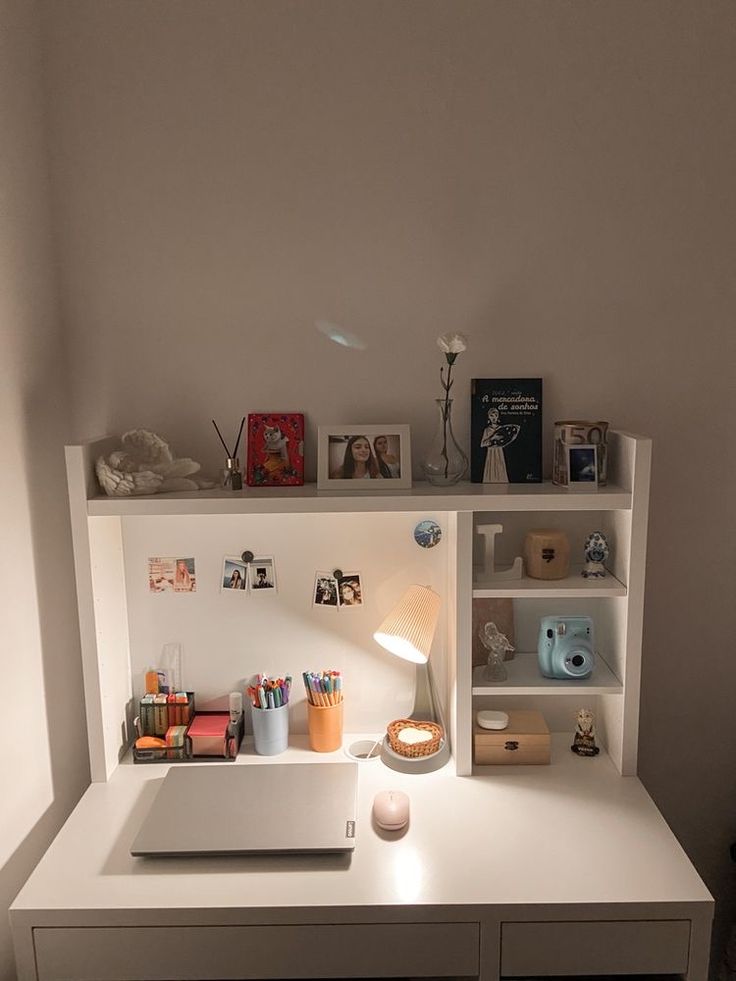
391 809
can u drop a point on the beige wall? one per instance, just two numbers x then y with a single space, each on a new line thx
554 178
43 764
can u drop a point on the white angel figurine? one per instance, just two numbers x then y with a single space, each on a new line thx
146 465
497 644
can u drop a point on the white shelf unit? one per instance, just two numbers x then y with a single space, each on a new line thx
109 612
616 897
615 603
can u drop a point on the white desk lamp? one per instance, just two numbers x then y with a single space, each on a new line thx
407 632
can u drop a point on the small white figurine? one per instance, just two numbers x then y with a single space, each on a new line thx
584 741
596 553
497 644
146 465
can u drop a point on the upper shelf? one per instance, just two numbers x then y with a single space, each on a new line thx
422 497
572 587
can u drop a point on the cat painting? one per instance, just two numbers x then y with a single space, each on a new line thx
275 449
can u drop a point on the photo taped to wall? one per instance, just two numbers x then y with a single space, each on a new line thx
171 575
350 591
325 591
262 576
234 574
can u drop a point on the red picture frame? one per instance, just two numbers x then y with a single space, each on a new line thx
275 449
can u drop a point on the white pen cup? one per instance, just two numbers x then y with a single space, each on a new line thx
270 730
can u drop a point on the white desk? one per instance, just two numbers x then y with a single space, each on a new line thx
564 869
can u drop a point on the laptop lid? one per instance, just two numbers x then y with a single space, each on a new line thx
219 809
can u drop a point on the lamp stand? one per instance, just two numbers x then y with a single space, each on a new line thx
426 709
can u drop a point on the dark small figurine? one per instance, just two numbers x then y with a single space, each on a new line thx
584 741
596 554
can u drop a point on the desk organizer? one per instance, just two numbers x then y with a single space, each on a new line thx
156 717
185 754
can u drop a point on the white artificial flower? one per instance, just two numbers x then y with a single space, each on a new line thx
452 343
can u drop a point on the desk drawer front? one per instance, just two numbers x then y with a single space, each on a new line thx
605 947
204 953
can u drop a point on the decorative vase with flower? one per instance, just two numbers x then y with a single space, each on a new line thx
445 462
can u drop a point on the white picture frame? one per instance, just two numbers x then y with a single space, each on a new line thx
387 468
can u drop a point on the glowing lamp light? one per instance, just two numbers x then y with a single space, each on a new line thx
408 630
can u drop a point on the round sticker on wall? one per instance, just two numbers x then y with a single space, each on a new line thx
427 534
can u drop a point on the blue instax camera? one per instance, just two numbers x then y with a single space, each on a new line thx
566 647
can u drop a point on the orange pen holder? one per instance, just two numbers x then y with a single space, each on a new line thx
325 727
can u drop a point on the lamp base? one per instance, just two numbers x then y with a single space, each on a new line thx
416 764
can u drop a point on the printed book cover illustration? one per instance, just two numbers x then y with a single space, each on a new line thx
506 430
275 449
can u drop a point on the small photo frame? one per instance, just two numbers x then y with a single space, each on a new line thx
262 576
350 591
325 593
361 457
582 466
275 449
234 575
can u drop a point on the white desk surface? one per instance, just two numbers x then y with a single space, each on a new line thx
573 832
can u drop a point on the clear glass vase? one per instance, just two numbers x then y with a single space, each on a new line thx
445 463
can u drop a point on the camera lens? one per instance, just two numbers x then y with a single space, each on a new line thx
578 663
550 633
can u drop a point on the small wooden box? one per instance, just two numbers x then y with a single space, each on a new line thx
526 739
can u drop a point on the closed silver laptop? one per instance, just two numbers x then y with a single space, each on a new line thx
221 809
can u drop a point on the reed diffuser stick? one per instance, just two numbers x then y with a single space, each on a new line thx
227 451
240 433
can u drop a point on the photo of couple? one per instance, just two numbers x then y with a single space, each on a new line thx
361 458
338 593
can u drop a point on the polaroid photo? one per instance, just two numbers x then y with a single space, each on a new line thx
350 591
262 576
582 466
171 575
234 575
325 591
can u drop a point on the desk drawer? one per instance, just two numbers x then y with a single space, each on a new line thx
243 952
604 947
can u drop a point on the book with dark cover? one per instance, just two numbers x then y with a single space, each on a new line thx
506 430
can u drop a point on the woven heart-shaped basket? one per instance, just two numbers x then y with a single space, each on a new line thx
414 750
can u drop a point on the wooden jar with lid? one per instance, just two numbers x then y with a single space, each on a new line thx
547 554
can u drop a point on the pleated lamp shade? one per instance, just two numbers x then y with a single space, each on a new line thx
409 628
